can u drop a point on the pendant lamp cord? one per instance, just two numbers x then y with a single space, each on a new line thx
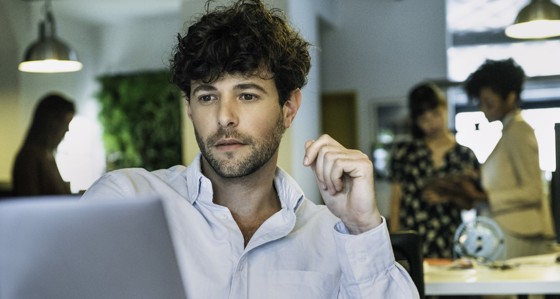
47 8
48 22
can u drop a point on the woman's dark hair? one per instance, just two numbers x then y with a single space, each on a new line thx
421 98
48 118
246 39
502 76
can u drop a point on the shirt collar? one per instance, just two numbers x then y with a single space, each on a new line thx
199 187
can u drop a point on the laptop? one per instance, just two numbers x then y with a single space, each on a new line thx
61 247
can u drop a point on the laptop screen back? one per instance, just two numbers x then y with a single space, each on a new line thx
60 247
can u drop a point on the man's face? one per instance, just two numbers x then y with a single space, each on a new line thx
493 105
238 123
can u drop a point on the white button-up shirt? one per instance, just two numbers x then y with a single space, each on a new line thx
302 251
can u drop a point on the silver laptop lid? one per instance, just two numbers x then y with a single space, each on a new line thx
61 247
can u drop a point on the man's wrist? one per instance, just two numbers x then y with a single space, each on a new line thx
358 228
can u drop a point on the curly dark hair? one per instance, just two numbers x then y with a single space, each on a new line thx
423 97
502 76
244 38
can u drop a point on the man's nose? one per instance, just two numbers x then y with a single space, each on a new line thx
228 112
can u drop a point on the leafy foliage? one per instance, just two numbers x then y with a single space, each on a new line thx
141 117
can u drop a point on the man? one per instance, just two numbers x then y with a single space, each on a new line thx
511 175
241 226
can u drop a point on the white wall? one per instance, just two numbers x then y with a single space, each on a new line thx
306 17
138 45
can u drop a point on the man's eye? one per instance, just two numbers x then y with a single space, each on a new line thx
205 98
248 97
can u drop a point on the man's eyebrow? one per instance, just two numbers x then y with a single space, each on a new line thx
244 86
203 87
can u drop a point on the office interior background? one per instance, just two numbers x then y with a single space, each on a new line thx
370 52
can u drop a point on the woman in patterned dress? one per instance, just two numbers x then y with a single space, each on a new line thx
431 156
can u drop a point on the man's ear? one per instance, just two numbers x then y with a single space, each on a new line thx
188 104
291 107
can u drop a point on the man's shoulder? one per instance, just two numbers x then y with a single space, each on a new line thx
134 181
170 172
141 176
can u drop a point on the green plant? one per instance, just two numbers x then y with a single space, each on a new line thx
141 118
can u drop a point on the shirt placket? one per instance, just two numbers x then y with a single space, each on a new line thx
239 282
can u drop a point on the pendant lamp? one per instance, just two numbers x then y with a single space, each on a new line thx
539 19
49 54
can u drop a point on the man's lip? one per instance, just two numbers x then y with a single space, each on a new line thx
226 142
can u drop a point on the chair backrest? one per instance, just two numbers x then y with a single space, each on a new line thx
407 247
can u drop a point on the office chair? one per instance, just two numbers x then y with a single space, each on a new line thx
407 247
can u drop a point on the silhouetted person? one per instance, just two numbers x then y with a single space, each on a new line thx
35 171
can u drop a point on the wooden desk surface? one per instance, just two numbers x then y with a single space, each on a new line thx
528 275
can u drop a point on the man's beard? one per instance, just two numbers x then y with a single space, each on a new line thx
232 167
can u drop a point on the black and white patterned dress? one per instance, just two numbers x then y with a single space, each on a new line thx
412 166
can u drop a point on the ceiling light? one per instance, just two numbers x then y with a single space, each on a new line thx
49 54
539 19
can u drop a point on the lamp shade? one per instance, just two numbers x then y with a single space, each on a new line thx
49 54
539 19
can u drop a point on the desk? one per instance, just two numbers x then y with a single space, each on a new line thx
530 275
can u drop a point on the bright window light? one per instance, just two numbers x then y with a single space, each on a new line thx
474 131
543 121
536 58
79 154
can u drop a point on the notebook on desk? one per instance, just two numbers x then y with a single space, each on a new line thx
60 247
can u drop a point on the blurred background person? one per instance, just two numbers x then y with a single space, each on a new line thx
511 176
35 171
416 165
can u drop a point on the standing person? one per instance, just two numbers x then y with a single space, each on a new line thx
242 227
511 176
35 171
419 164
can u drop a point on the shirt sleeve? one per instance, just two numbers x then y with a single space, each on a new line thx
369 269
